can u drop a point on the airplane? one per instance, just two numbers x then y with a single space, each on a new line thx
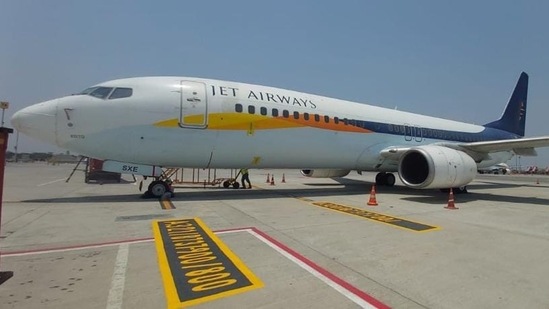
500 168
144 123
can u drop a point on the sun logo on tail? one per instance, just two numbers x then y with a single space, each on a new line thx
522 110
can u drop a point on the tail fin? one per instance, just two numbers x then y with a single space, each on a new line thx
514 117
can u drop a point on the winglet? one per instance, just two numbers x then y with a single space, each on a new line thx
514 117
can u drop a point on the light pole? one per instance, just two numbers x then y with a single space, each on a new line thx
16 144
4 135
4 105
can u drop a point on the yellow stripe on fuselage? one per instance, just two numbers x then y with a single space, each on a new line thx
238 121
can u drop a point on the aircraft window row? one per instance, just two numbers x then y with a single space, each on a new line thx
418 132
411 131
286 114
108 92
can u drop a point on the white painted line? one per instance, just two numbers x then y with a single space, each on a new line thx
117 287
116 292
342 290
50 182
74 248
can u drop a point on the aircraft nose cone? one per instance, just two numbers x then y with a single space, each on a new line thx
37 121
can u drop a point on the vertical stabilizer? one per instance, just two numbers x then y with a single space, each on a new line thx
514 117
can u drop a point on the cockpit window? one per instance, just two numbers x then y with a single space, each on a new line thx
101 92
88 91
121 93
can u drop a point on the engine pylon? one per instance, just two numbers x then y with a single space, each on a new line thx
372 201
451 203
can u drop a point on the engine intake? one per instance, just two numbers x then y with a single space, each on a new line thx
430 167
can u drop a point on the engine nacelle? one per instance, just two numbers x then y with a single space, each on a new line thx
325 173
436 167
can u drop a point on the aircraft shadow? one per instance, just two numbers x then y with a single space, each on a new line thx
473 196
342 187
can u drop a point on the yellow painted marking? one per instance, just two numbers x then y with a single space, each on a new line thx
379 217
172 295
251 129
256 160
166 203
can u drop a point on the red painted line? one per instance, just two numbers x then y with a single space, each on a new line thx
76 247
236 229
324 272
349 287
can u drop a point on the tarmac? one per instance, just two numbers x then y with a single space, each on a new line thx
93 245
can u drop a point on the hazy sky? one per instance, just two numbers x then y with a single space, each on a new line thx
457 60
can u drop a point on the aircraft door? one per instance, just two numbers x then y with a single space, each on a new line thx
194 108
408 132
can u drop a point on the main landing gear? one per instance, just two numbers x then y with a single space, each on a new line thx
457 190
385 179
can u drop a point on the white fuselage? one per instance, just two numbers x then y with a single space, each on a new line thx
193 122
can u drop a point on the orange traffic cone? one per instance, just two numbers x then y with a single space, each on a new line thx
451 204
372 201
268 178
272 180
283 178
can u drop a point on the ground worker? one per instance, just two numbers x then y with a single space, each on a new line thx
245 178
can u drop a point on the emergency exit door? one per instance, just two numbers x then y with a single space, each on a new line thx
194 108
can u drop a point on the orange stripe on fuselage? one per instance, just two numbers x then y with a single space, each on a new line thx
240 121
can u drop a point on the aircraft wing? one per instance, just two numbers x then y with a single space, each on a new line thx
520 146
478 150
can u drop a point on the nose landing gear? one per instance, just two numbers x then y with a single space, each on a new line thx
158 188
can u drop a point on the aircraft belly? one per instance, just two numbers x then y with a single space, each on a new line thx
306 148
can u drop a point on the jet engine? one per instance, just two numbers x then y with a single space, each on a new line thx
436 167
325 173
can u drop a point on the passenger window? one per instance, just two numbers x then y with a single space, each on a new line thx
317 117
101 92
263 111
119 93
274 112
306 116
251 109
327 119
285 113
238 108
296 115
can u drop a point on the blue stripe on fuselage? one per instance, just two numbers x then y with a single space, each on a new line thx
415 132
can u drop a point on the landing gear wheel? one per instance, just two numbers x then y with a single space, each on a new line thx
458 190
385 179
390 180
158 188
380 178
